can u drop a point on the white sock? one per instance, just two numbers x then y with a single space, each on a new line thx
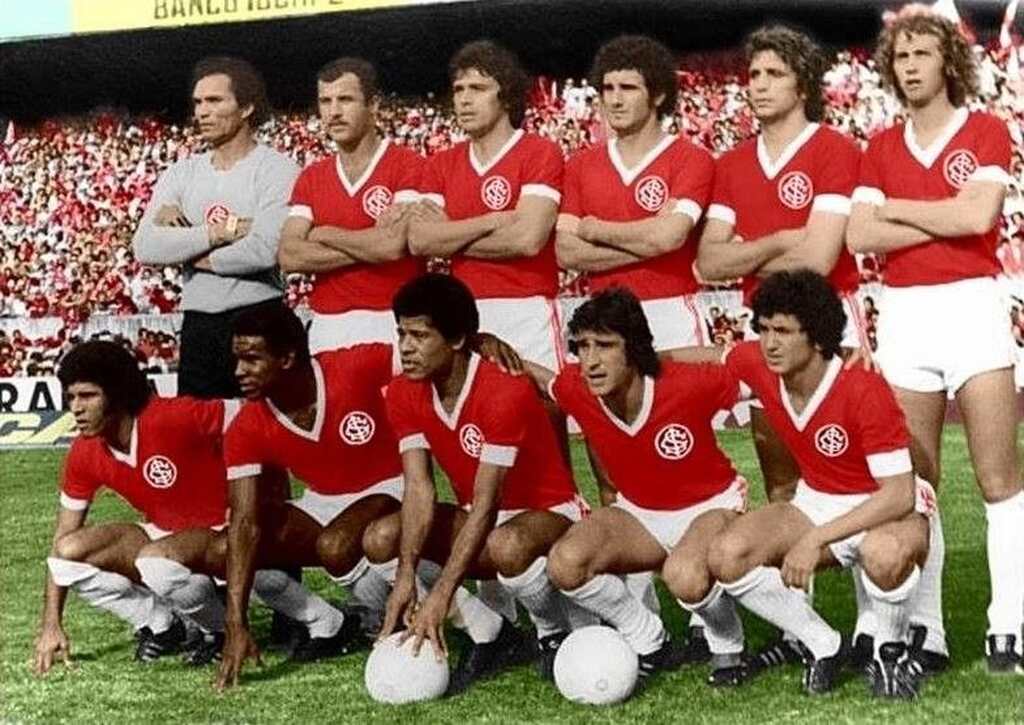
721 623
1005 564
890 607
114 593
762 591
867 622
608 596
285 595
925 605
641 586
467 612
809 598
542 600
191 594
368 586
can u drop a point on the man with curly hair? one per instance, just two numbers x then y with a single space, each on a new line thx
930 194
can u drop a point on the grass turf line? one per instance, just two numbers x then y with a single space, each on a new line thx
105 685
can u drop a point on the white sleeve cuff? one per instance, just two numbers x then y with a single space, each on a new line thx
990 173
868 195
890 463
541 190
406 196
249 469
690 208
833 203
73 504
231 408
301 210
499 455
413 442
722 213
436 198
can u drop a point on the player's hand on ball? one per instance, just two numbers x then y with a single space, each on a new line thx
171 215
238 647
401 604
428 623
51 644
801 561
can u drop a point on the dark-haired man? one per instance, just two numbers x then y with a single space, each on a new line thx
348 215
857 503
163 456
219 214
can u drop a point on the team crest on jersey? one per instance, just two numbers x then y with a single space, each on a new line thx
958 167
796 189
160 471
376 199
357 428
217 214
651 193
673 442
496 192
472 440
831 440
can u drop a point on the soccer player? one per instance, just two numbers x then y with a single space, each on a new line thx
514 493
630 207
348 215
857 503
163 456
648 430
489 205
929 197
219 214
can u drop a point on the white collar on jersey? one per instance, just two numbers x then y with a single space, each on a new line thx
351 188
131 458
631 429
628 175
772 168
453 420
481 168
827 381
321 408
926 157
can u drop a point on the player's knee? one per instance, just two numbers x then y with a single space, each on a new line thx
688 580
997 486
338 550
510 549
380 540
886 558
568 564
729 557
72 547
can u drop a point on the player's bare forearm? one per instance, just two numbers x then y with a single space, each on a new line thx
816 246
244 534
308 257
893 501
869 234
644 237
974 210
720 259
524 233
54 596
417 516
473 535
373 245
575 254
436 238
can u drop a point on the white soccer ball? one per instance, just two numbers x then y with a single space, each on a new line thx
394 676
595 666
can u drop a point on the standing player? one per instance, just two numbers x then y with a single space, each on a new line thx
219 214
648 429
931 191
515 495
163 456
631 206
347 220
856 503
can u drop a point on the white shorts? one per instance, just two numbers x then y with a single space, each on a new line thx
574 510
324 509
531 325
934 338
355 327
155 533
668 527
674 322
854 334
821 508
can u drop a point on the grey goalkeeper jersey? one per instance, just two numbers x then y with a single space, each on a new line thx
245 272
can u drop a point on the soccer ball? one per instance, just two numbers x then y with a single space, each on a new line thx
394 676
595 666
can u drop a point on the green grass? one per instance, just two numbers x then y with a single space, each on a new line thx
106 685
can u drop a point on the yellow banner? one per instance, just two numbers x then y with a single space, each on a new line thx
95 16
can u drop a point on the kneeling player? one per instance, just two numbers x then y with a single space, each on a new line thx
163 456
515 495
855 504
648 427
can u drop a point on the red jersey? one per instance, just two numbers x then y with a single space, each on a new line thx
758 197
598 184
466 188
173 473
498 419
351 445
850 433
974 147
324 195
668 458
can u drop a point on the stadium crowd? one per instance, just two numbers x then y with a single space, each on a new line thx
72 192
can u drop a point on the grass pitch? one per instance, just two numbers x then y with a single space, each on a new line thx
105 685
